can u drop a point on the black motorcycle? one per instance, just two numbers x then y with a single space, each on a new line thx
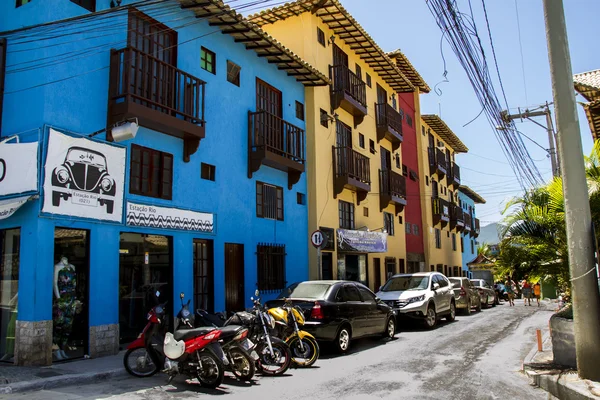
274 355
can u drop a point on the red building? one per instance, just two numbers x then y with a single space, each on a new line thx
415 253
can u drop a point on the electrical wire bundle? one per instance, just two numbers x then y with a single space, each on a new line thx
460 31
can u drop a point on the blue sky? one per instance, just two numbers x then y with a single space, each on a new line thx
409 25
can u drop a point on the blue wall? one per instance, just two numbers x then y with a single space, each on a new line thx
467 255
79 104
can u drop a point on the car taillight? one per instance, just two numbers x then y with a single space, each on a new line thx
463 292
316 312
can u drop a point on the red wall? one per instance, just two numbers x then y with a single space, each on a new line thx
412 211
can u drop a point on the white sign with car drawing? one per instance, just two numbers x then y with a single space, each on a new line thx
18 168
83 178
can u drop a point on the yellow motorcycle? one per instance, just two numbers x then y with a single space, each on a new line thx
304 346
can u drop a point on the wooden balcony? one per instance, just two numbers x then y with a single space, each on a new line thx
457 219
161 96
392 190
351 170
440 210
468 224
437 161
349 92
276 143
453 174
389 124
476 227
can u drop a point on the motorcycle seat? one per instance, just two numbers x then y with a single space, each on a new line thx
185 334
230 331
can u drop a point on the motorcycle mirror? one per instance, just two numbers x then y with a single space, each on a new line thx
256 292
251 298
157 293
181 295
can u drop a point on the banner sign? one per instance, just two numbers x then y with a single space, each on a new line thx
361 241
84 178
168 218
18 168
10 206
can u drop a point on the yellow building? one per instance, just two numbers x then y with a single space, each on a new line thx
356 187
588 86
443 218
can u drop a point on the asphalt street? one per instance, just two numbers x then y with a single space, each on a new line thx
476 357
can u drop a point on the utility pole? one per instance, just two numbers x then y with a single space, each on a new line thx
586 298
527 114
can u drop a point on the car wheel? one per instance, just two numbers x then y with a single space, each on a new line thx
430 317
468 309
452 315
342 341
478 308
56 199
390 329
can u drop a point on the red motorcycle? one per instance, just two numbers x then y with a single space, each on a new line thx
194 352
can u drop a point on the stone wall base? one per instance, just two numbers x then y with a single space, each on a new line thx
104 340
33 343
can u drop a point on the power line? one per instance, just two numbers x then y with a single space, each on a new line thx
521 50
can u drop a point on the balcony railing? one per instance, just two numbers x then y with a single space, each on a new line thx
276 143
457 219
352 171
454 174
468 222
160 95
389 124
440 210
392 189
348 91
437 161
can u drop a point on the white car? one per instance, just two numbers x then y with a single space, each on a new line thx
427 296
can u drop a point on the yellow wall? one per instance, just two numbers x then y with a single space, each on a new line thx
300 35
434 256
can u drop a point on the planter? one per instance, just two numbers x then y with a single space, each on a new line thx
563 339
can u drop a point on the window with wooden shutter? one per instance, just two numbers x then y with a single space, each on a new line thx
2 74
346 215
270 267
151 173
269 201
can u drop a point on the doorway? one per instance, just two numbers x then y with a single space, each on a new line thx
145 268
326 266
355 268
70 294
204 275
377 273
234 277
10 250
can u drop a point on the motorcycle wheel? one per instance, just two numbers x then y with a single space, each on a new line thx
242 365
277 365
306 357
211 374
137 362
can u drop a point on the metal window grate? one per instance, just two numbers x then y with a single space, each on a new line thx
270 267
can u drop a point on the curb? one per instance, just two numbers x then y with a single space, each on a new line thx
533 352
63 380
558 386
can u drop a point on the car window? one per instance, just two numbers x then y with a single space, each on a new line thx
443 281
341 295
305 290
406 282
456 283
366 294
434 279
351 293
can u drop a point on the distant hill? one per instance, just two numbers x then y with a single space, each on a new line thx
489 234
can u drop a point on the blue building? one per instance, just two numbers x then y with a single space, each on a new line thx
145 147
467 198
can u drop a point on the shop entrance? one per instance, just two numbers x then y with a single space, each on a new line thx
353 267
326 266
10 245
70 294
145 267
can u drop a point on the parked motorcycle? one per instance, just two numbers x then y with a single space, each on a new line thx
194 352
303 345
274 355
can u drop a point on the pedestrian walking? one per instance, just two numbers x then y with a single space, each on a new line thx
526 286
537 292
509 286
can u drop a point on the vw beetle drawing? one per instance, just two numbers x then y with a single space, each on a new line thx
84 178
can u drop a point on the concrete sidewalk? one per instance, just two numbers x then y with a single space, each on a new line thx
20 379
561 382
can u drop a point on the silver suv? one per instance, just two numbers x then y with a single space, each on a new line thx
426 296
